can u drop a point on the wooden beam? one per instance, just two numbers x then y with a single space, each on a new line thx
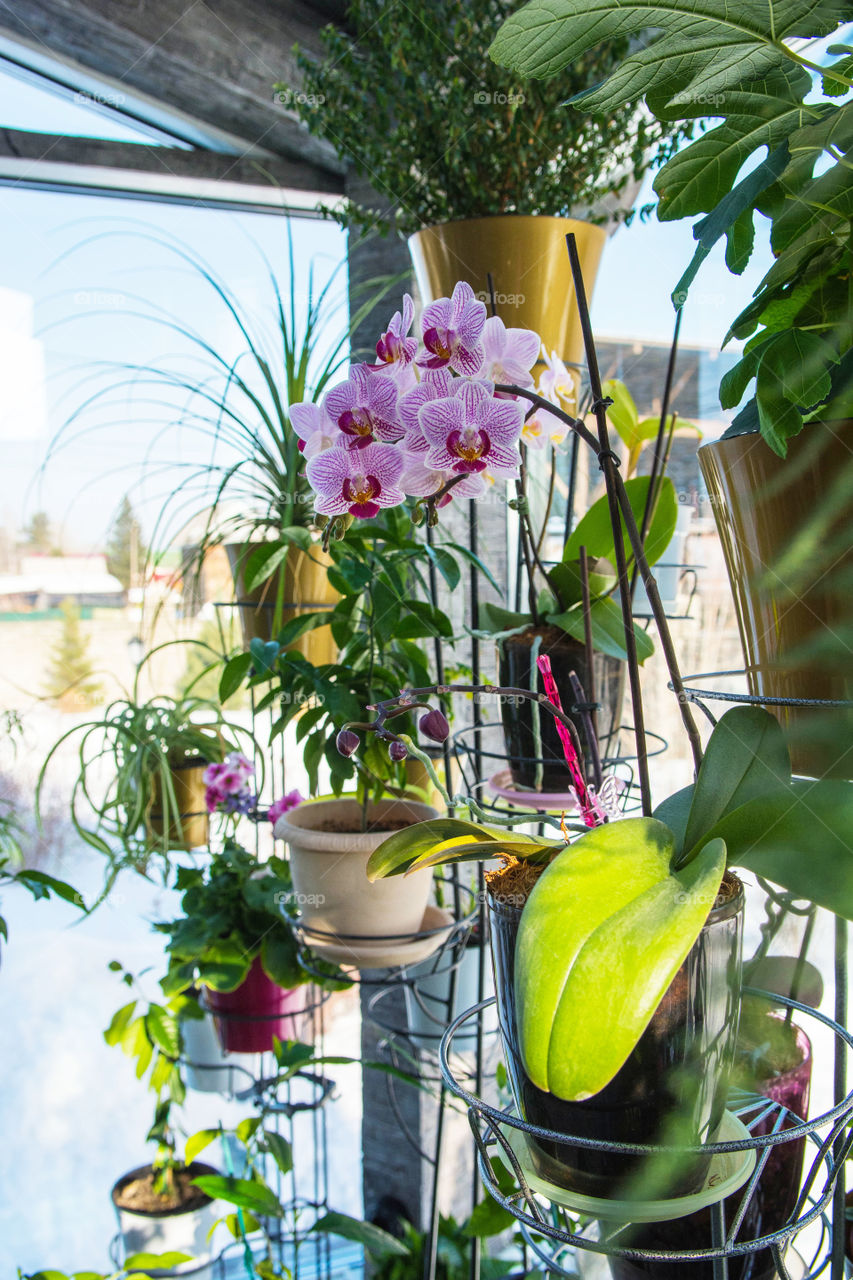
31 153
214 62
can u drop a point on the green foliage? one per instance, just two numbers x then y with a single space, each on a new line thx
561 604
125 549
636 432
412 102
235 910
140 742
38 535
70 674
738 65
379 624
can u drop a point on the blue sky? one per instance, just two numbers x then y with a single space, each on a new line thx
82 261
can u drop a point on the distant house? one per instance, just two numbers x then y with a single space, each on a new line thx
44 581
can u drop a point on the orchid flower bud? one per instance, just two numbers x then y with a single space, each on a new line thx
433 724
347 742
397 751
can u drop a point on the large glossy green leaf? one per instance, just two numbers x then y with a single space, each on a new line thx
380 1244
603 934
800 838
242 1192
594 877
595 531
746 757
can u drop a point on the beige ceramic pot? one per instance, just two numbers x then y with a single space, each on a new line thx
328 862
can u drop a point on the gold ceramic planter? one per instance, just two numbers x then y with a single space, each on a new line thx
794 620
192 828
306 589
526 256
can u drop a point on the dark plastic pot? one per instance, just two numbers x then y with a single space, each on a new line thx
605 685
247 1018
689 1044
771 1206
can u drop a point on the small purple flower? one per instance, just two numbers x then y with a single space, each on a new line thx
397 751
451 329
509 354
314 427
472 431
284 805
357 481
394 347
364 408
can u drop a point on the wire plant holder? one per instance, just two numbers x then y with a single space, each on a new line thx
828 1133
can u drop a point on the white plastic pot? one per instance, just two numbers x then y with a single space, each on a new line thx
329 869
208 1068
172 1231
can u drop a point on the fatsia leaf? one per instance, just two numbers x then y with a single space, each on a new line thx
746 756
598 947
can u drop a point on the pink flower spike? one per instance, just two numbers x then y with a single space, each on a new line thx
394 347
364 408
590 811
357 482
451 329
283 805
508 354
472 431
314 427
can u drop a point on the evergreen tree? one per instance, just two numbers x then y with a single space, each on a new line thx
70 671
37 533
125 552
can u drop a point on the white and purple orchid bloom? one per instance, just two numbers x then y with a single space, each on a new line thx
421 481
364 408
436 384
357 482
542 428
452 329
472 431
395 347
508 354
556 382
314 428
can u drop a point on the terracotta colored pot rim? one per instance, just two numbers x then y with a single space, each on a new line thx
299 826
195 1167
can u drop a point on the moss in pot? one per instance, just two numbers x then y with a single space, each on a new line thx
603 934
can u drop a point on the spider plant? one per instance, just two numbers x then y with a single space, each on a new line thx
126 762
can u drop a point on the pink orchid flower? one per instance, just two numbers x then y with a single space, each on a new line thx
436 384
543 428
451 329
471 431
556 382
421 482
357 482
314 427
509 354
283 805
364 408
394 347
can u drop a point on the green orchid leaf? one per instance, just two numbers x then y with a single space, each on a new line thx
801 838
746 757
608 630
622 414
532 848
603 934
675 812
197 1142
378 1243
566 579
396 854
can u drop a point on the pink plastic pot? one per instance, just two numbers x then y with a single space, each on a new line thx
247 1019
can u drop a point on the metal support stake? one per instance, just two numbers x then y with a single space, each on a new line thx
840 1086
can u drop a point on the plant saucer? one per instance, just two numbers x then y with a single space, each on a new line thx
385 953
596 1266
728 1172
500 784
